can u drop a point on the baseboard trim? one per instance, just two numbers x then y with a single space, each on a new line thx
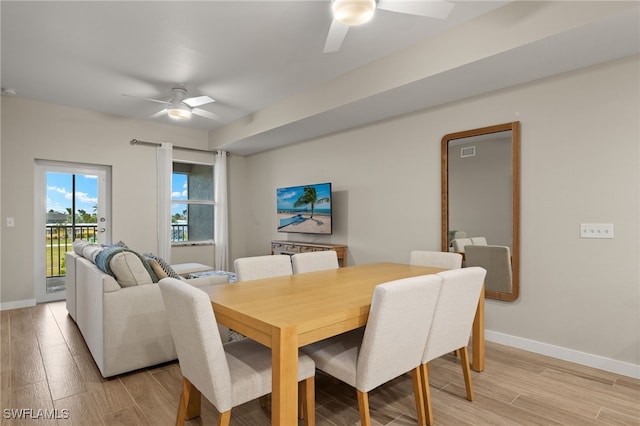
582 358
5 306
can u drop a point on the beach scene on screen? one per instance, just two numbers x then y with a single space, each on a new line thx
304 209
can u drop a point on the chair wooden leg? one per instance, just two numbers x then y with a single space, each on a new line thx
363 406
301 400
307 401
184 401
466 371
418 395
263 401
190 400
224 418
426 391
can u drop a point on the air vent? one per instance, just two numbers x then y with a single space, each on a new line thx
467 151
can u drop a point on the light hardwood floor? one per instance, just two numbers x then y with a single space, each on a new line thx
45 365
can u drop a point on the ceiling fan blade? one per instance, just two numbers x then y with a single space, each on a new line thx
337 33
146 99
159 113
206 114
439 9
198 100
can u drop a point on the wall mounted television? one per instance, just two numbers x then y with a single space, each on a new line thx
304 209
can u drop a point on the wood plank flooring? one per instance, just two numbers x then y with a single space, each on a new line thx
45 366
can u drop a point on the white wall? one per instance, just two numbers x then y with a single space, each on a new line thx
33 130
580 163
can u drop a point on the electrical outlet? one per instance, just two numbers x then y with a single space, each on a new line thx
596 230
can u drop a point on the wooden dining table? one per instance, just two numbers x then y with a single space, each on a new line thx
285 313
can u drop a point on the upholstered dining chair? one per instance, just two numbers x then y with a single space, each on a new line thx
436 259
257 267
391 344
478 241
451 325
226 374
497 261
314 261
460 243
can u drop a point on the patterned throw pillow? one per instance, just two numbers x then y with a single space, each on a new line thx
168 270
157 269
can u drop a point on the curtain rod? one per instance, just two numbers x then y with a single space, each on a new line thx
184 148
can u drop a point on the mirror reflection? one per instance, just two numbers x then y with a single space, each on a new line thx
480 181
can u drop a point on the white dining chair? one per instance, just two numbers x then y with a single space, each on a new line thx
497 261
459 234
436 259
478 241
460 243
451 325
226 374
257 267
392 342
314 261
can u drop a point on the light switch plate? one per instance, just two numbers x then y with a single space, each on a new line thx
596 230
10 222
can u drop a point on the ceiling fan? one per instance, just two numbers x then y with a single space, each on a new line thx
348 13
179 107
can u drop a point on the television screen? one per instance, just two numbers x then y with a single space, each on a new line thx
305 209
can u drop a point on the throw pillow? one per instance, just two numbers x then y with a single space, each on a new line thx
90 251
129 273
163 264
157 269
78 246
129 270
118 244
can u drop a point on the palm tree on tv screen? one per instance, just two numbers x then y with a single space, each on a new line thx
310 197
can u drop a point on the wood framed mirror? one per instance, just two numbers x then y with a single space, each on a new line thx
481 203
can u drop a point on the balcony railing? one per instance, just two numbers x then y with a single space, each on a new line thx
179 232
60 237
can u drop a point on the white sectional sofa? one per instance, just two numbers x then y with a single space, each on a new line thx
125 327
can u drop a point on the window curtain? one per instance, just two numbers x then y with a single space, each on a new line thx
220 217
165 170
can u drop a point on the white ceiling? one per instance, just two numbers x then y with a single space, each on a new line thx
250 55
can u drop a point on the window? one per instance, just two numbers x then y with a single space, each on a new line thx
192 203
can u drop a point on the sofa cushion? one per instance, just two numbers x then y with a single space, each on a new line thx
129 269
183 269
207 280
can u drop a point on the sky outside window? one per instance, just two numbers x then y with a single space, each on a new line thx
59 192
179 191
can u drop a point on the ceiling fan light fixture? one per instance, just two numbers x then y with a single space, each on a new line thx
353 12
179 111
